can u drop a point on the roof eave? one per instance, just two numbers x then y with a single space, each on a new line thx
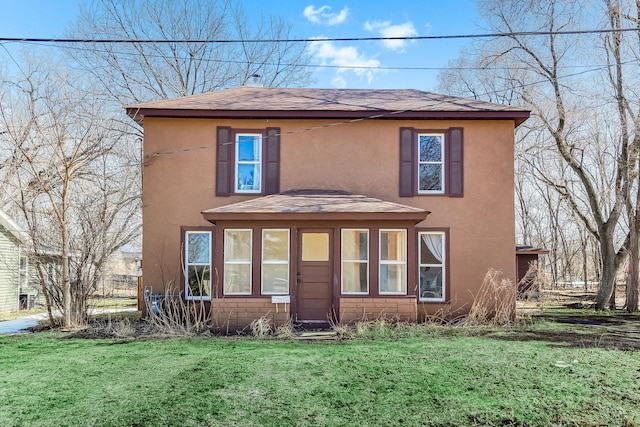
138 114
414 217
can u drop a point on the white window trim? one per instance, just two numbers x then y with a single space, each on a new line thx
357 261
443 265
246 162
441 163
382 262
278 262
227 262
187 264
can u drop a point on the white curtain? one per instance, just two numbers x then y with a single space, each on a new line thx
434 243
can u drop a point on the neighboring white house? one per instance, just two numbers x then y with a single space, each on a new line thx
13 265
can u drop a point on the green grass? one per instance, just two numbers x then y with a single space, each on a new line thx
509 376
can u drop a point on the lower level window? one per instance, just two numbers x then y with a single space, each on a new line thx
198 265
355 261
237 262
393 262
275 262
432 261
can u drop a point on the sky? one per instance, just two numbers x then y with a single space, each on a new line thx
313 19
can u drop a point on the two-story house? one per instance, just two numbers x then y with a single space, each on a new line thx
327 203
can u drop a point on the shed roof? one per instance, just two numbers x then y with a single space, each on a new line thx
270 102
530 250
315 204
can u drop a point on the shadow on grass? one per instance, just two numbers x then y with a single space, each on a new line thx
620 332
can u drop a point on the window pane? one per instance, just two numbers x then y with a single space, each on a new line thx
315 246
430 177
355 245
249 177
249 148
431 248
275 278
430 282
237 245
199 280
275 245
430 148
198 247
354 276
392 278
237 279
392 245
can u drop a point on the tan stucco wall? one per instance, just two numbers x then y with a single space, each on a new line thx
359 157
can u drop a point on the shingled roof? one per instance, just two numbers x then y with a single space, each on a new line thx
315 204
267 102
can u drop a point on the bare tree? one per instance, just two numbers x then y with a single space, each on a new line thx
63 172
191 57
587 121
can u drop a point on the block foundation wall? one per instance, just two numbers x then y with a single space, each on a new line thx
358 309
238 313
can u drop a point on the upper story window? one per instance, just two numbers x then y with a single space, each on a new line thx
431 163
247 161
248 164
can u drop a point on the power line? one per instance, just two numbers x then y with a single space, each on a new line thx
328 66
320 39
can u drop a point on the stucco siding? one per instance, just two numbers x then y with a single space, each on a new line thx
360 157
9 259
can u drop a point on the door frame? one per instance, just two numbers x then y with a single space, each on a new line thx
299 231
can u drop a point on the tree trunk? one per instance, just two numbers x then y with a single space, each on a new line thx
66 282
632 279
609 271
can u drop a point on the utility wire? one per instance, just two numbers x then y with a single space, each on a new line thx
319 39
328 66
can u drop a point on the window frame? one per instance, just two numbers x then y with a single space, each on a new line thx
382 262
443 265
259 162
278 262
343 261
442 162
225 262
187 264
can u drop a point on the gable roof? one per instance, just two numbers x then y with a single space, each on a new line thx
315 204
12 227
297 103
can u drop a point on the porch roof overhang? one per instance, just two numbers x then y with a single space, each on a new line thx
306 205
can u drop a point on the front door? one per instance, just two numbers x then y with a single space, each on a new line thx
315 285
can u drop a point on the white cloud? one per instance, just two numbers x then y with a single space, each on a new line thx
386 29
323 16
348 58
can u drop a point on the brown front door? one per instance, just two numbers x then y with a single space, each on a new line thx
315 287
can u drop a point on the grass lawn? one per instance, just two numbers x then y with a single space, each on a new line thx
510 376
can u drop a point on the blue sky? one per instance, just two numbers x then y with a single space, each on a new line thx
311 19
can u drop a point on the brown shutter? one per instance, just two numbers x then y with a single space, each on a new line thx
455 163
272 161
224 162
407 163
